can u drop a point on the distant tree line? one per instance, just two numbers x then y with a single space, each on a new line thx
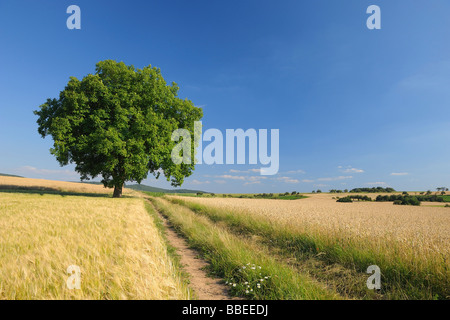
364 190
291 195
338 191
373 190
405 197
397 199
287 195
345 199
263 195
354 197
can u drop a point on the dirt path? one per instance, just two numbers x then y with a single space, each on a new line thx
205 287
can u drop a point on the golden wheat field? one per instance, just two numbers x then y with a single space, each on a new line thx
115 243
14 183
414 233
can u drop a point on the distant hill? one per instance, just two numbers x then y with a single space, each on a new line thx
143 187
10 175
88 182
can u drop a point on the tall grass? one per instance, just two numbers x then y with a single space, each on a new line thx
180 275
249 270
403 276
115 243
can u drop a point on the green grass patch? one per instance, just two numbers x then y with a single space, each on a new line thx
171 251
250 271
400 279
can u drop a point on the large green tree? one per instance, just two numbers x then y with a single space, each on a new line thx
117 124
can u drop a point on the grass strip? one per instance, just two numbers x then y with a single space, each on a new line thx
181 275
249 270
400 279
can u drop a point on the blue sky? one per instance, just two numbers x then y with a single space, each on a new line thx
355 107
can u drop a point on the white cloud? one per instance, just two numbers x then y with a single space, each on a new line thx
399 173
376 183
350 169
245 171
255 179
335 178
227 176
197 182
29 169
307 181
288 180
242 178
296 171
254 182
220 181
353 170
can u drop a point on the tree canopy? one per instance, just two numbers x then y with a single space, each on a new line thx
117 124
373 190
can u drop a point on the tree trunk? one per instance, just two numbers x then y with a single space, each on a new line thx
117 191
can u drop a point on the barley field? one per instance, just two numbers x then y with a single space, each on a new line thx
115 243
422 228
233 258
23 184
47 226
412 244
